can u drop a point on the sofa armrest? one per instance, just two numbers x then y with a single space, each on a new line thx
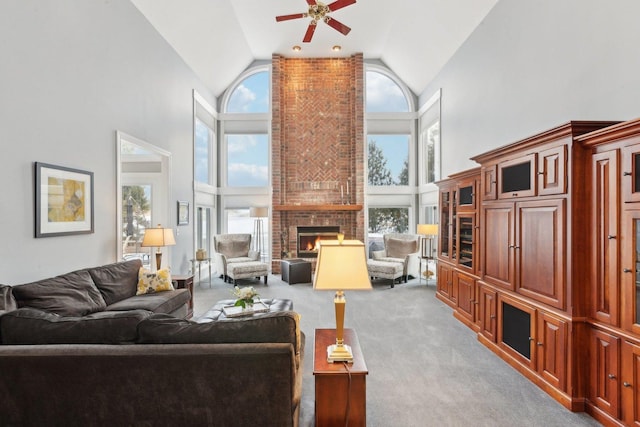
220 263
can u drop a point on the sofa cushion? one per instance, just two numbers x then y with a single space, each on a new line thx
400 248
117 281
33 326
275 327
71 294
150 282
7 300
159 302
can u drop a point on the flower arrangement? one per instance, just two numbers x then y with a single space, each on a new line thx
244 296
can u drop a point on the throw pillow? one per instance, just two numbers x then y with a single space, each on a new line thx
149 282
400 248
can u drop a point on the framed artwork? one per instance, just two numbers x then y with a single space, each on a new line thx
183 213
63 201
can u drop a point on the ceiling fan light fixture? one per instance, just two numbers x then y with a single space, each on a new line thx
336 48
296 48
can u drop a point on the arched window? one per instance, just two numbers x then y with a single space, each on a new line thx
384 95
251 95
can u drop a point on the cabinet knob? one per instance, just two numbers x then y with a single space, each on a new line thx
539 344
512 246
610 237
612 377
626 270
493 316
514 195
540 173
627 173
492 182
530 338
626 384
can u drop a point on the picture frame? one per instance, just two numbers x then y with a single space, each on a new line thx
183 213
63 201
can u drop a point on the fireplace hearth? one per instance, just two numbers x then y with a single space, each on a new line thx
308 238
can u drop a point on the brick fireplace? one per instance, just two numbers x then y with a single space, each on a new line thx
317 149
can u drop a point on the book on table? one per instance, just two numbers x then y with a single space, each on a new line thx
236 310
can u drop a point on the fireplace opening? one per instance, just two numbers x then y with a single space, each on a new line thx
308 238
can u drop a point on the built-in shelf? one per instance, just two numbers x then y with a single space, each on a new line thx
317 208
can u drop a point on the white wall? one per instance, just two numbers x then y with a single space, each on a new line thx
72 73
533 65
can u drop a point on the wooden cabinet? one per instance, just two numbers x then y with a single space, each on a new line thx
466 241
466 296
552 171
446 245
516 177
466 194
445 285
630 275
488 314
630 381
631 170
551 349
497 258
489 182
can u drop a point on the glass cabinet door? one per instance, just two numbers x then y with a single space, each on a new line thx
466 249
445 223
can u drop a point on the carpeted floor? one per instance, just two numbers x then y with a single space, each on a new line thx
425 367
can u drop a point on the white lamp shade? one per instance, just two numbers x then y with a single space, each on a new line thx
341 266
259 212
428 229
158 237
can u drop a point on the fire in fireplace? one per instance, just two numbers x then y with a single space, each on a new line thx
308 238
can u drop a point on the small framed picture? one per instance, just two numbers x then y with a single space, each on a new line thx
63 201
183 213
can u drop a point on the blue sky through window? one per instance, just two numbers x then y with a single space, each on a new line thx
248 160
384 95
395 149
251 95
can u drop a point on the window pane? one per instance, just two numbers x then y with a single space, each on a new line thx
203 145
251 95
386 220
384 95
203 228
136 218
431 138
247 160
388 160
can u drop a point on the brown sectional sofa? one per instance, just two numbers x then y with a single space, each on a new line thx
83 349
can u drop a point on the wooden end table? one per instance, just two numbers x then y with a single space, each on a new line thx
185 282
335 387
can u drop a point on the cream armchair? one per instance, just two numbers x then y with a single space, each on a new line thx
401 248
232 248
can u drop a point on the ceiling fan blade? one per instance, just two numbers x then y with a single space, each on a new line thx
309 34
334 23
287 17
339 4
311 2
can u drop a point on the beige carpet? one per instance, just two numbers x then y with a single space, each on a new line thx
425 367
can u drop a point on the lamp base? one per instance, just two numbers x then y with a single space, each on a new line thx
339 353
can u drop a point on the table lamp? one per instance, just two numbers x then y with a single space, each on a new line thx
342 265
158 237
428 231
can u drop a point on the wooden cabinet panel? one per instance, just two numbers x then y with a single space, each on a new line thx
540 251
517 330
551 348
605 237
466 295
488 318
445 281
497 255
466 194
630 379
630 271
552 171
489 182
604 372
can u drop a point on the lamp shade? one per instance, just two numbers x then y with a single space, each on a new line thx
341 266
428 229
259 212
158 237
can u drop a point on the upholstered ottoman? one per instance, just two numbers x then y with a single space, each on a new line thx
385 270
216 313
295 270
246 270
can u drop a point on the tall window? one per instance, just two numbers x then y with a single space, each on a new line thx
203 148
391 159
247 160
251 95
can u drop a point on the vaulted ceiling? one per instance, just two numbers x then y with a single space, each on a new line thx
219 39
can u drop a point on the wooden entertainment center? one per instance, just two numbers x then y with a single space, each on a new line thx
539 253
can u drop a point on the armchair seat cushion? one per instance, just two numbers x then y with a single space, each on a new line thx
239 259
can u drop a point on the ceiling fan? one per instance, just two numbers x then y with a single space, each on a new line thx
319 12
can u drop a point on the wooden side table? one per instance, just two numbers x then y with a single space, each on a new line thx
185 282
335 387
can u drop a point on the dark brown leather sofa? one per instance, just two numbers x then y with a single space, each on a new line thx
125 364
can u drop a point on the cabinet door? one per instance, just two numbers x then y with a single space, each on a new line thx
630 378
517 330
497 245
447 207
466 292
604 351
540 251
466 193
605 237
631 173
551 347
488 320
445 280
489 182
630 276
552 171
